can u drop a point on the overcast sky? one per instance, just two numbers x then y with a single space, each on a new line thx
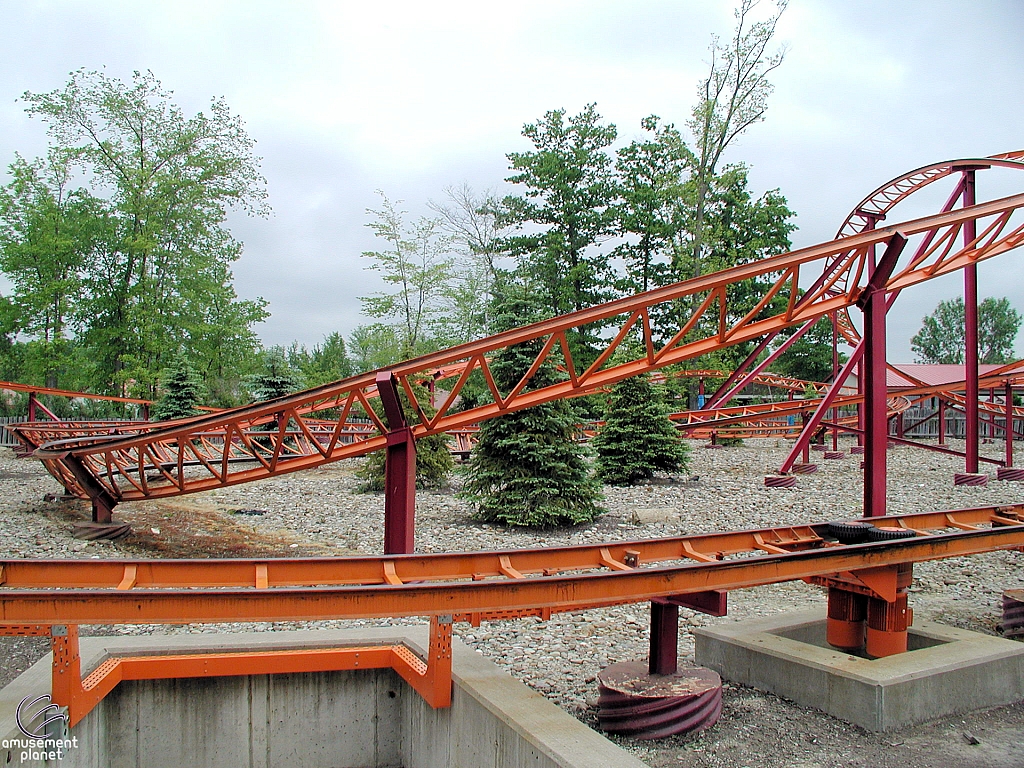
345 98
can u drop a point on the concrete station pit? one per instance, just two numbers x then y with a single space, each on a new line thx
360 719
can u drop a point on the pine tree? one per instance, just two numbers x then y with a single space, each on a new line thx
433 459
182 391
637 438
526 469
277 378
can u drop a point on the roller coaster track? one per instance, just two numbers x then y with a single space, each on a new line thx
52 597
152 465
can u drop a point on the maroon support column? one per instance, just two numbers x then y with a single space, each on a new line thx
872 302
399 472
942 422
1008 396
835 376
664 638
1009 472
32 403
971 337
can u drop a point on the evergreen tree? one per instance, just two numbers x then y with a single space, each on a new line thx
277 378
637 438
433 458
182 391
526 469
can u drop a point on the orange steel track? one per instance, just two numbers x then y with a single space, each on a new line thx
53 596
152 465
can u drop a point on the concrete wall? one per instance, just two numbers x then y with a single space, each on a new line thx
332 719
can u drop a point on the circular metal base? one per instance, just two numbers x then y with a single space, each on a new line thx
1012 624
1010 473
93 531
834 455
803 469
969 478
634 702
780 481
857 449
817 447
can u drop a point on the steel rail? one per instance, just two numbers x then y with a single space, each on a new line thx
179 592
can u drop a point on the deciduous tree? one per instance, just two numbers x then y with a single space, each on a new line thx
941 338
161 277
417 263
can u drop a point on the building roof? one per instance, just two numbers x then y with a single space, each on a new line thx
931 375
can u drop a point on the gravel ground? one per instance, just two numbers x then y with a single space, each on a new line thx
318 512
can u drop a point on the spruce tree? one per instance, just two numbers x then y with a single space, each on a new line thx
526 469
181 391
638 439
277 378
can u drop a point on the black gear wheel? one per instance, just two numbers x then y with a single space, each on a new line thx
889 534
850 532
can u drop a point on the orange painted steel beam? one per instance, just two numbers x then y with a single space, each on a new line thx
431 678
12 386
555 579
124 466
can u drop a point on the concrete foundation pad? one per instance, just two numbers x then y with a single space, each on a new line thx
945 670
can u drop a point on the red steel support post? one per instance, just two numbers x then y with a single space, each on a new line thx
835 376
942 422
32 406
664 638
1008 396
971 333
873 304
399 473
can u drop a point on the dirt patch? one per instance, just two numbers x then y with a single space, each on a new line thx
194 527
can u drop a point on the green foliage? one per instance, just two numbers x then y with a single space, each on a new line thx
637 438
526 469
565 209
470 219
276 378
433 458
733 97
652 177
327 361
941 338
374 346
181 391
729 442
136 260
417 263
810 357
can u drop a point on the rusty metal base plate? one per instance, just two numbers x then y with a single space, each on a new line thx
636 703
94 531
